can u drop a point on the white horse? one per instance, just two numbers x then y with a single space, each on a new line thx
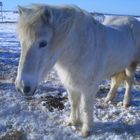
83 51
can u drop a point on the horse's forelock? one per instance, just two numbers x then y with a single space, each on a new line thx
26 31
28 21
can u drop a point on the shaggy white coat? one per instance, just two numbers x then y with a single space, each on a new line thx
83 51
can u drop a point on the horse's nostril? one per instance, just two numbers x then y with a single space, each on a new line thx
26 89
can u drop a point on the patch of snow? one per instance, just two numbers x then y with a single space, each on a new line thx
10 16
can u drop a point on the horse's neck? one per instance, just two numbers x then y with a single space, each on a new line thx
80 43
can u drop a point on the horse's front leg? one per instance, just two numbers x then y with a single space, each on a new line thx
87 100
74 98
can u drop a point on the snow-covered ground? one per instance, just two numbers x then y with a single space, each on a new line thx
43 117
9 16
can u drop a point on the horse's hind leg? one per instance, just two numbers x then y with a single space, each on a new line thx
75 99
115 82
128 82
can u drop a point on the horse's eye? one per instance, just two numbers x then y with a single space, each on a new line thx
42 44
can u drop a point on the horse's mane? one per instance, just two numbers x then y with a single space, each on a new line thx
27 21
35 12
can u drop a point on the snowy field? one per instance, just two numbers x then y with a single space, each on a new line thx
43 117
9 16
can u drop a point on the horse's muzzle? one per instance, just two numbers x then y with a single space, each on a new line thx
25 90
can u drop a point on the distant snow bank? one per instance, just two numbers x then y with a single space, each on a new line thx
9 16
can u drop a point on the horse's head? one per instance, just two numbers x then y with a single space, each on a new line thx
39 29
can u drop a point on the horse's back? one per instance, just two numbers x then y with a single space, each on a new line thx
121 22
126 23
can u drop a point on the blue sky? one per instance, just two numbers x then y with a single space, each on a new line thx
131 7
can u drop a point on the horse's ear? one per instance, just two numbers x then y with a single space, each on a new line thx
47 15
22 9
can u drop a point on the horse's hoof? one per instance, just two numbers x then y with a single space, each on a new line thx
126 105
74 123
69 123
85 134
107 101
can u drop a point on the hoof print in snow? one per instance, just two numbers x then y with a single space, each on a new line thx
53 102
